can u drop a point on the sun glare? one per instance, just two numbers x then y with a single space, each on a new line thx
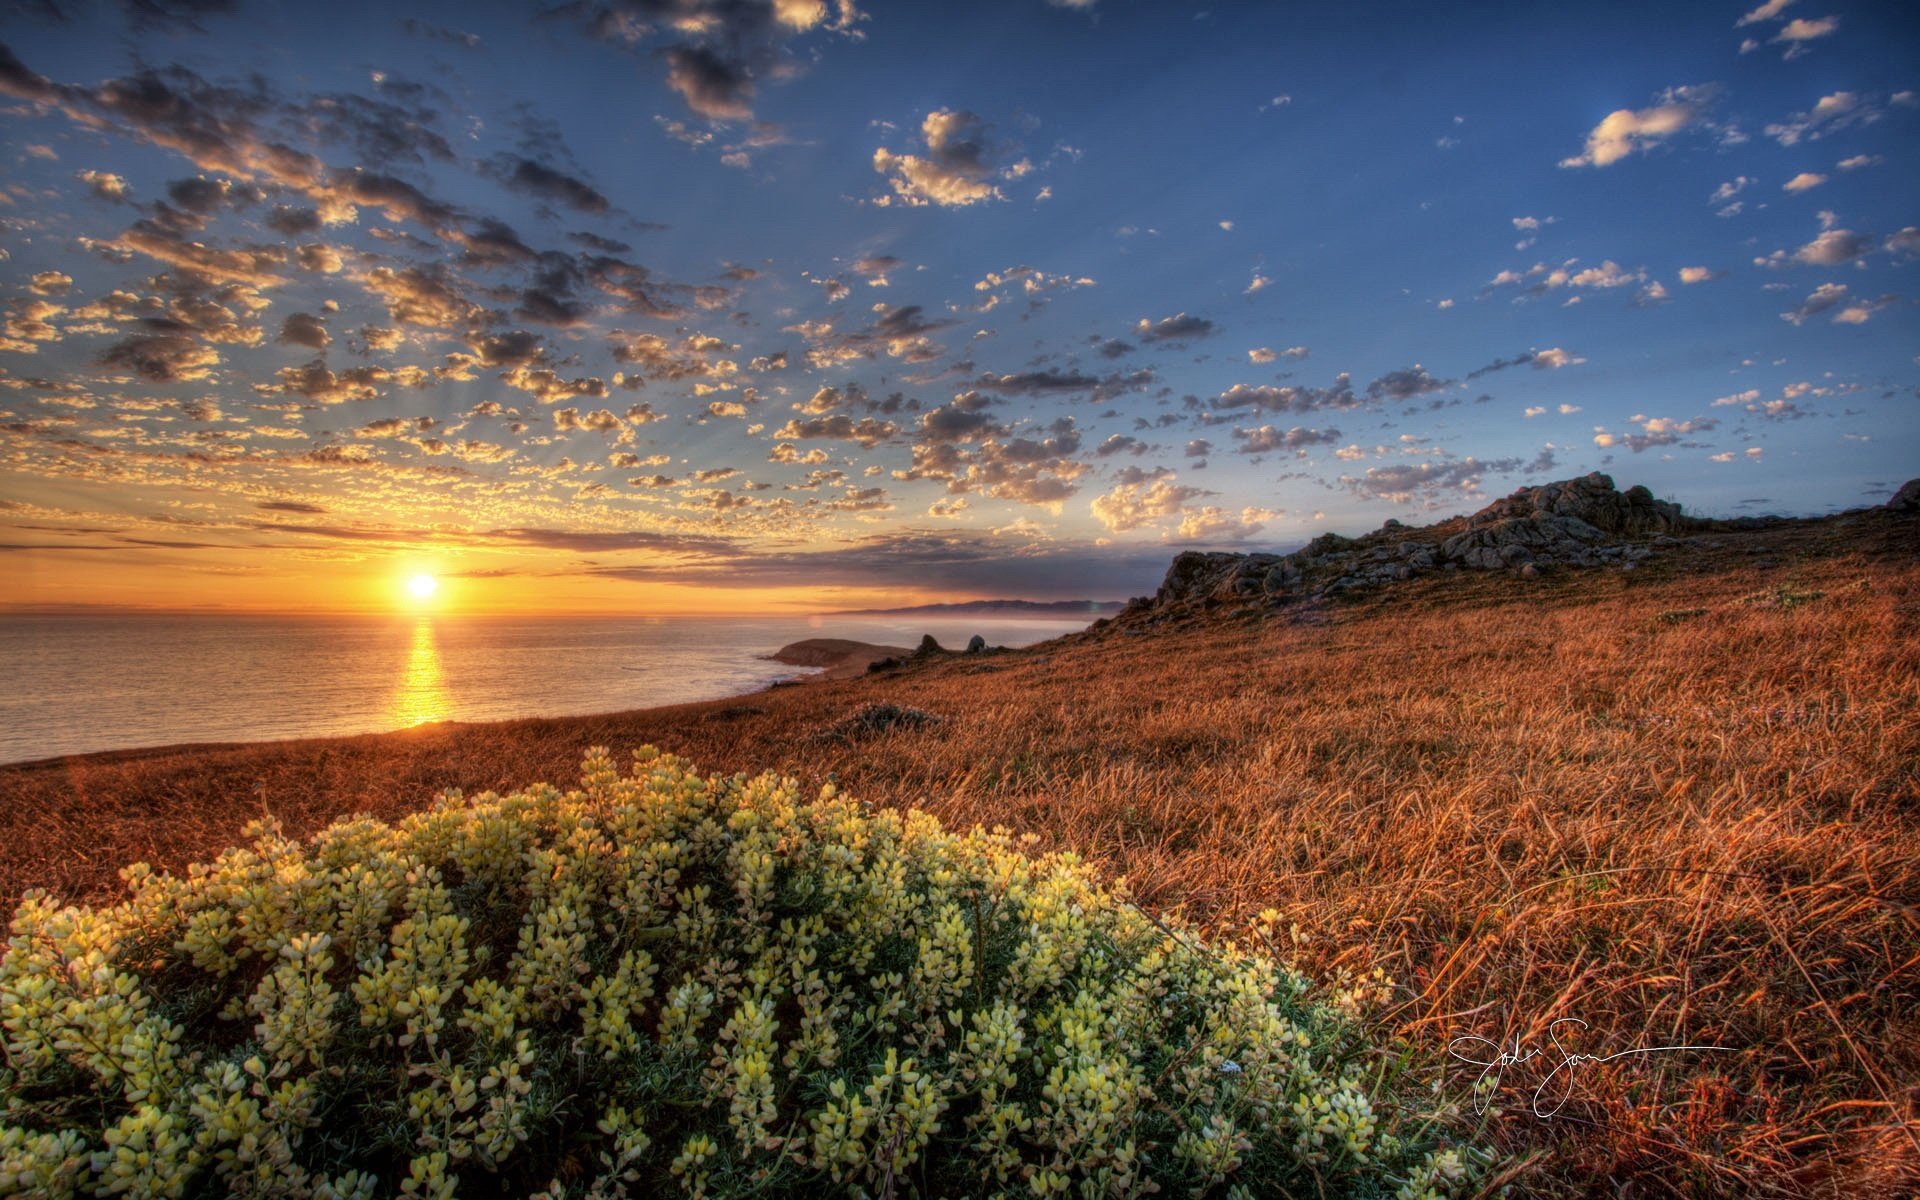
422 587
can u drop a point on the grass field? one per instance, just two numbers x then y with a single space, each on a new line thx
1680 804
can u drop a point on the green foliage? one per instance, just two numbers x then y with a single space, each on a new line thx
665 984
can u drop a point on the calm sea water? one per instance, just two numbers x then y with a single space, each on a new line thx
80 683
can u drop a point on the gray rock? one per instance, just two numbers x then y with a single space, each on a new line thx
1907 499
1583 522
976 644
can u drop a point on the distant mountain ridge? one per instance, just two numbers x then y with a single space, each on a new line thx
1024 608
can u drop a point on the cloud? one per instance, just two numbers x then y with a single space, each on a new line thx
1039 383
304 329
1831 248
713 85
900 332
1654 432
1625 131
1804 181
1132 505
867 431
174 15
1861 311
1821 300
949 562
1266 439
1799 31
316 381
1178 328
1051 382
1213 524
163 358
1729 189
105 184
421 296
1550 359
256 265
1028 469
1402 482
1266 354
539 179
1766 12
967 418
1836 110
600 420
1698 274
1266 398
1540 278
550 387
724 47
960 166
1408 383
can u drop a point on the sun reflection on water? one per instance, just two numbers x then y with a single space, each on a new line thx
422 695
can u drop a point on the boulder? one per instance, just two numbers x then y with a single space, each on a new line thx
976 644
1907 499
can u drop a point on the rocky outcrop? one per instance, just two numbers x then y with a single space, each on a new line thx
1907 499
1570 523
1582 522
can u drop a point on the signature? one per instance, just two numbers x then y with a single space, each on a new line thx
1496 1057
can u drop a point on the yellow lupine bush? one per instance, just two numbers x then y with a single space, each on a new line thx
664 984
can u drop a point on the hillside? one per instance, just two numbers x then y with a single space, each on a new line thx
1668 788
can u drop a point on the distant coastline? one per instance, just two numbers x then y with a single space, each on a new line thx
998 608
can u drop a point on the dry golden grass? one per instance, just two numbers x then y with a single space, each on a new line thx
1681 804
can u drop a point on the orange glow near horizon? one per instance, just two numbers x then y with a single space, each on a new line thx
330 580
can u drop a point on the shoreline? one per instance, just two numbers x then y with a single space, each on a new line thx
821 660
719 665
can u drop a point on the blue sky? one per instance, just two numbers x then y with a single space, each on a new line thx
706 304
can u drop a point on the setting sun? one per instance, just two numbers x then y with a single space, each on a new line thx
422 587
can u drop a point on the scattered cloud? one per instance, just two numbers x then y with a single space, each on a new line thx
1177 329
960 165
1266 439
1824 298
1765 12
1402 483
1799 31
1834 111
1550 359
1627 131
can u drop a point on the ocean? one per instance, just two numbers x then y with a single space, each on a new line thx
81 683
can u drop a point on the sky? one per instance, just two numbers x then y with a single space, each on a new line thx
722 306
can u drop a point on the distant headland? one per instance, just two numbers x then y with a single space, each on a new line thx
995 608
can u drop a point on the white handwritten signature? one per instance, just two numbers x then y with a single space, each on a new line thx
1563 1070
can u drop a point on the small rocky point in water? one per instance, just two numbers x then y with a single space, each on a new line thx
1575 523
